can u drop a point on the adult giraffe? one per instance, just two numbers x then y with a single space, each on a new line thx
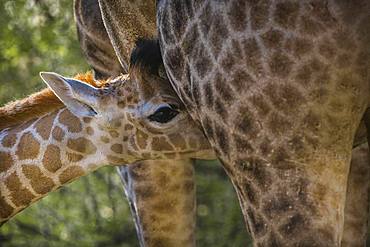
286 141
291 81
147 183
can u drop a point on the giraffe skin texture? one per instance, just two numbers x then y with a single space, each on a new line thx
125 120
164 206
280 52
357 202
150 186
280 88
259 18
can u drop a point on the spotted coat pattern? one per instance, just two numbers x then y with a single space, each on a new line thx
290 81
47 152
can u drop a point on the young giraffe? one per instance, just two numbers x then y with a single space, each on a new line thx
125 120
149 185
290 79
214 51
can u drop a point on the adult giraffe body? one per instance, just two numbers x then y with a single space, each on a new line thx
290 80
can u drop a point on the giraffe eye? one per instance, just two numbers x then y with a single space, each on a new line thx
164 114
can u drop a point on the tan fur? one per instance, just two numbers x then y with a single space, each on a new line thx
37 104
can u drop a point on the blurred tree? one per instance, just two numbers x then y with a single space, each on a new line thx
39 35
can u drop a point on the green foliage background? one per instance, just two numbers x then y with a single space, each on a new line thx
40 35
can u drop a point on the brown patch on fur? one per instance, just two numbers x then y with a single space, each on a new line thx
5 209
219 107
51 160
272 37
40 183
129 127
72 157
259 14
113 133
237 15
161 144
265 147
253 55
277 206
165 206
58 134
70 121
117 148
89 130
326 49
6 161
304 74
278 124
228 61
223 90
208 95
251 193
280 64
87 119
145 191
242 81
44 125
294 225
222 139
258 224
70 173
260 104
242 144
121 104
9 140
37 104
81 145
299 46
104 139
286 14
178 141
173 58
217 34
310 26
203 64
28 147
20 196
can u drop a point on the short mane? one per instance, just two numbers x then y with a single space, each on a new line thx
37 104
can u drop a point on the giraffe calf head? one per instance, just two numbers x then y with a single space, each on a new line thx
136 116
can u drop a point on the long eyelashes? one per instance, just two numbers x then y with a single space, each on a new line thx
164 114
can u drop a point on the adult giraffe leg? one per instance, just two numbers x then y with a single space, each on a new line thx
280 89
150 188
171 186
356 211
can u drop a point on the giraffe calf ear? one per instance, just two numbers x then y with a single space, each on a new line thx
79 97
